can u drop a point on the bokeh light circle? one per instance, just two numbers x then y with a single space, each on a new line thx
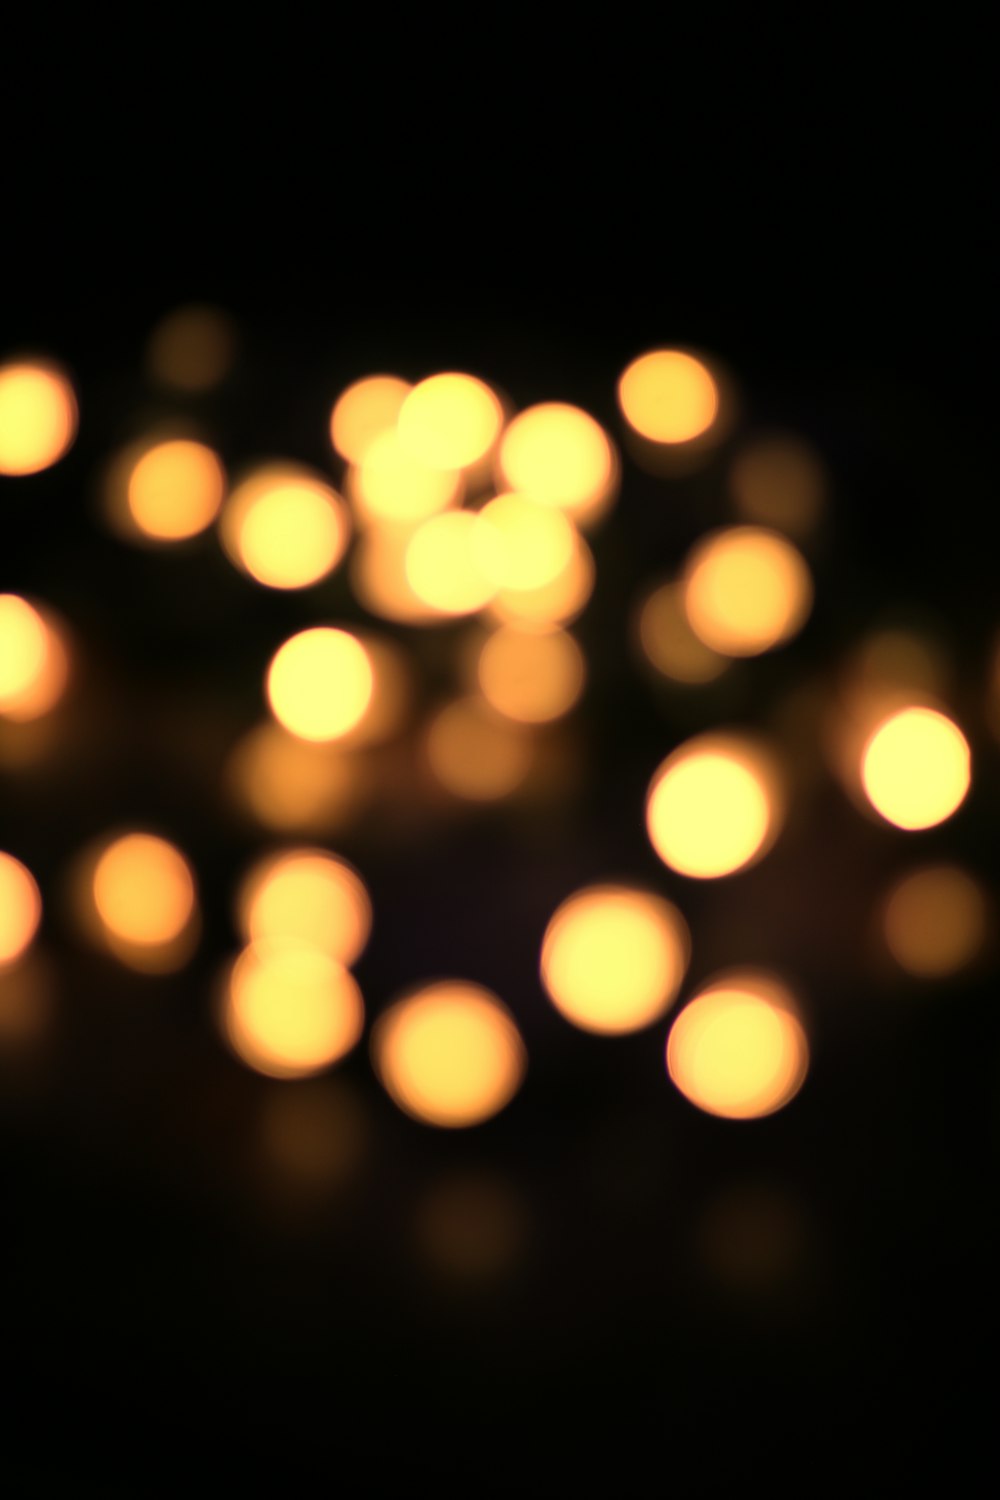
916 768
713 806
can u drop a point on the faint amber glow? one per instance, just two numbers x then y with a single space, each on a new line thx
390 485
668 641
314 1135
34 665
558 455
320 683
613 958
192 349
285 527
449 421
738 1049
554 603
290 1012
915 768
365 411
175 490
668 396
755 1239
293 785
746 590
522 545
26 1001
38 416
475 754
713 806
531 675
379 581
143 890
308 898
779 481
392 694
935 921
444 566
449 1054
20 908
472 1225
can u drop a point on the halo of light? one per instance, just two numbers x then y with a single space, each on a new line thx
613 958
290 1012
554 603
319 683
192 348
916 768
20 909
531 675
935 921
308 898
669 643
737 1049
38 416
476 754
366 410
558 455
713 806
175 490
668 396
143 890
449 421
779 481
746 590
34 664
449 1054
284 527
444 566
390 486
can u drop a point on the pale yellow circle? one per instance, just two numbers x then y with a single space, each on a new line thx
175 490
746 590
558 455
531 675
38 417
449 421
285 528
935 921
735 1052
291 1011
522 545
389 485
553 603
20 908
711 808
668 396
444 566
365 411
308 898
320 683
143 890
916 768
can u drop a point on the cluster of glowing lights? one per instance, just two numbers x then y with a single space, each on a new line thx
746 590
668 396
34 666
737 1049
936 921
20 909
713 806
38 416
284 527
319 683
916 768
175 490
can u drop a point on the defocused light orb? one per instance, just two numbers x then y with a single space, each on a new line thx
284 527
294 785
365 411
449 1054
444 566
38 417
34 666
175 490
314 1136
290 1012
143 890
192 349
746 590
475 754
389 485
522 545
670 644
379 581
553 603
449 421
20 908
320 683
308 898
668 396
738 1049
712 806
531 675
472 1225
613 958
936 921
779 481
915 768
558 455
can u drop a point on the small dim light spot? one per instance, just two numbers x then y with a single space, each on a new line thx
915 768
20 909
285 528
296 786
390 486
449 1054
449 421
34 665
669 643
290 1011
365 411
531 675
444 566
192 349
175 490
38 417
558 455
143 890
613 958
668 396
779 481
746 590
476 754
308 898
320 683
713 806
738 1050
936 921
472 1227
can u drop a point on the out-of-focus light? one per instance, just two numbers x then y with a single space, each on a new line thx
38 416
755 1239
290 1012
307 898
713 806
26 1003
779 481
554 603
34 665
313 1136
284 527
390 486
668 641
935 921
613 958
296 786
143 891
668 396
320 683
738 1048
531 675
449 421
175 490
558 455
522 545
20 908
192 349
475 754
473 1226
379 581
365 411
449 1054
915 768
444 566
746 590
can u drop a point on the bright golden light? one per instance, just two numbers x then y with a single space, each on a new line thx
475 754
449 1054
668 641
365 411
531 675
38 417
175 490
20 908
558 455
936 921
307 898
915 768
449 421
379 581
284 527
34 665
522 545
779 481
320 683
143 890
668 396
297 786
192 349
444 566
554 603
746 590
712 806
738 1049
613 958
290 1012
389 485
